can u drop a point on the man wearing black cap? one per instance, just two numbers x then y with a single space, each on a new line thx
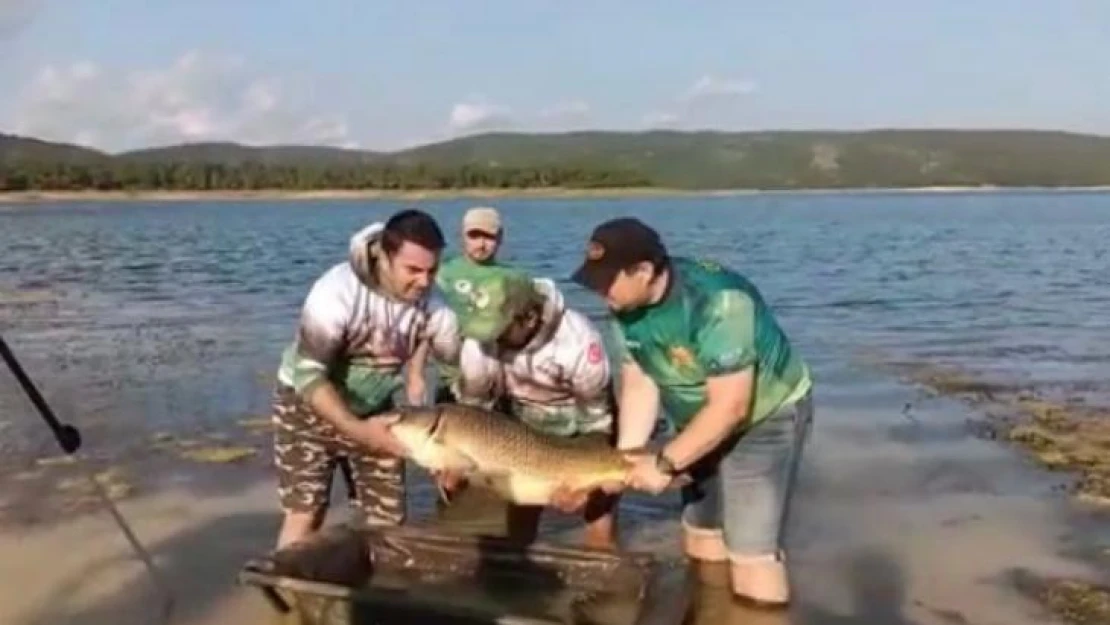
699 340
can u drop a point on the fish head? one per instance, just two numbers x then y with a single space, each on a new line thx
420 431
415 428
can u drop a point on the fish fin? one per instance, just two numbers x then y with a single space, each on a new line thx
443 494
610 487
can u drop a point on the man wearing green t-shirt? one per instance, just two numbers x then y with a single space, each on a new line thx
481 238
698 339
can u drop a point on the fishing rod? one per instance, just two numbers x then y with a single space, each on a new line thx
68 438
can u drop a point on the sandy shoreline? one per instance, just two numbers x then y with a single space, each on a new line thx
902 517
33 197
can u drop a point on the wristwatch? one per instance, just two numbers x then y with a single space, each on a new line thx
664 465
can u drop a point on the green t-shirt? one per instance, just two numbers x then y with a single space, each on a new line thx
712 321
454 274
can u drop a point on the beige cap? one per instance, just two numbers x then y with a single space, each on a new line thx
482 218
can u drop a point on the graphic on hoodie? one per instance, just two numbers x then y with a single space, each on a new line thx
353 334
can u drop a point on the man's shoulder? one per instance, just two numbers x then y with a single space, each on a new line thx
576 336
706 274
576 326
339 278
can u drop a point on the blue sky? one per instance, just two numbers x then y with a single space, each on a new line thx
119 74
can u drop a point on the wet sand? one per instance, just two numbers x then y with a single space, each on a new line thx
902 517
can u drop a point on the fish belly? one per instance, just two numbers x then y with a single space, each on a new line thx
442 458
519 488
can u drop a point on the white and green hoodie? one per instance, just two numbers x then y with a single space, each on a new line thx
354 334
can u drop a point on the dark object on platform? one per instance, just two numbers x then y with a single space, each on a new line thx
405 575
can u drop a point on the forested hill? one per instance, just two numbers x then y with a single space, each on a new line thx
683 160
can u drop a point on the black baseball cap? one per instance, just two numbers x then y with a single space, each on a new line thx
616 245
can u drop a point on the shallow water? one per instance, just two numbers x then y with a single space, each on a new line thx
136 319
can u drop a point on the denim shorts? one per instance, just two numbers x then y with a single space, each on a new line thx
744 488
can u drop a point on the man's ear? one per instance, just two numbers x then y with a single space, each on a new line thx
643 270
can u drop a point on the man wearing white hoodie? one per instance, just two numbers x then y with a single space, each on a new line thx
522 346
362 320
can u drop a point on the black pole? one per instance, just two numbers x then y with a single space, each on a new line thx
68 437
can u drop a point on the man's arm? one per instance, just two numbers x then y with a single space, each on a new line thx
325 399
321 340
725 347
639 396
727 400
478 375
639 407
415 386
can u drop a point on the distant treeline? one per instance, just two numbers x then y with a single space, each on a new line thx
257 176
589 159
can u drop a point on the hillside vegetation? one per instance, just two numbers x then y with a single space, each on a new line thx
671 159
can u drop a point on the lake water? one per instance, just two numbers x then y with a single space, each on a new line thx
141 318
137 319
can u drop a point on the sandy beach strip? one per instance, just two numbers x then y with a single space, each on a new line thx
44 197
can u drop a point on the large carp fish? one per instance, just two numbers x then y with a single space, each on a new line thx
521 464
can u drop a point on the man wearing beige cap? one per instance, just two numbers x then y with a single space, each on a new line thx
481 230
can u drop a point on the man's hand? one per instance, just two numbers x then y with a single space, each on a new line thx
375 434
569 500
645 476
416 391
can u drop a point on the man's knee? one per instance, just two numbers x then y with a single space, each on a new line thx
380 486
304 475
758 478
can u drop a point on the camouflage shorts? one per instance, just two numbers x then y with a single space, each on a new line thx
307 450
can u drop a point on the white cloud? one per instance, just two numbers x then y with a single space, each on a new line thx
705 91
199 97
710 86
476 114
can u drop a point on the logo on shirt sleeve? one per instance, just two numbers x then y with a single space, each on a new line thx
729 359
594 353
